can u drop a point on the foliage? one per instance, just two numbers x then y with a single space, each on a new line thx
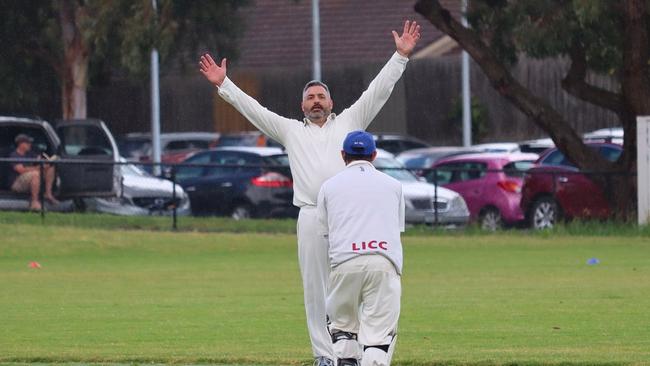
21 69
551 28
119 35
480 118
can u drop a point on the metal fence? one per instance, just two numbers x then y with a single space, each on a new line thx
557 178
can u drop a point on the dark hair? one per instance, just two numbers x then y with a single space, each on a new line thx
315 83
352 157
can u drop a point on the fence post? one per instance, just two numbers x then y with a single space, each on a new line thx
41 189
643 169
435 196
174 219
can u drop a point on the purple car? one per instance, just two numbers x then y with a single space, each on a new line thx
490 183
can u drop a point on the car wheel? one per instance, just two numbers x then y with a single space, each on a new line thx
544 214
490 219
241 212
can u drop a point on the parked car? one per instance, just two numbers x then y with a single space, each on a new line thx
490 183
71 140
555 189
142 195
396 143
419 160
238 189
498 147
247 138
174 146
421 198
536 146
612 135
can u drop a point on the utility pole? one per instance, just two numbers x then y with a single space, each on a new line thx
467 99
315 28
155 102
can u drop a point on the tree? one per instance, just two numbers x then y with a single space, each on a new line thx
76 39
597 36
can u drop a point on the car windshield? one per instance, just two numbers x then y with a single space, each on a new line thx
422 161
517 168
134 147
187 145
235 140
395 169
556 157
130 169
281 160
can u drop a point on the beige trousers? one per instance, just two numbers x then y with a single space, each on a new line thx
364 299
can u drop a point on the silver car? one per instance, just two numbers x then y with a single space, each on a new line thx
421 198
142 195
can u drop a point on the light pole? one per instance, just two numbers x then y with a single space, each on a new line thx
467 112
315 28
155 102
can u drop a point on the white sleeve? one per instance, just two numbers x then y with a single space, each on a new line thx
269 123
321 213
364 110
402 209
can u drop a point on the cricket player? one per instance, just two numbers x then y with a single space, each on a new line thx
361 213
313 146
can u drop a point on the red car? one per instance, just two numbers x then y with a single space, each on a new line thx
554 188
490 183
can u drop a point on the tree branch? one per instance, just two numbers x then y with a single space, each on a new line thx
575 83
542 114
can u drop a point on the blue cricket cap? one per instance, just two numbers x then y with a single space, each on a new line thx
359 143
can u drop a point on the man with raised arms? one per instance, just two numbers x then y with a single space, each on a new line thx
313 146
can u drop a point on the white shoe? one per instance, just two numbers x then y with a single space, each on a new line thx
323 361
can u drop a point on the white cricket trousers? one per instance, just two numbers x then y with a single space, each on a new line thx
364 299
314 268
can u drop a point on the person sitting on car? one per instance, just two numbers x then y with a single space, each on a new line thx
26 178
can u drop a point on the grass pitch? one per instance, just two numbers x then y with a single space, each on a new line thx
108 296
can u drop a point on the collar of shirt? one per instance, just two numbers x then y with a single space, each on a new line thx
360 162
331 116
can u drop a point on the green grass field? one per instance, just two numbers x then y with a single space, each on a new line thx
112 296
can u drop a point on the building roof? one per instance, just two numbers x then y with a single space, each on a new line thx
278 32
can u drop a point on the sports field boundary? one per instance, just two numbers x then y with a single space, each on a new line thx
288 226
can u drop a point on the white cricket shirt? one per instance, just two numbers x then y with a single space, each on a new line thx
314 152
361 210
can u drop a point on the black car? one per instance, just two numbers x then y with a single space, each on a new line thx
247 182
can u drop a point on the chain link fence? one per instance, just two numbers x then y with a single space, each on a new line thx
492 197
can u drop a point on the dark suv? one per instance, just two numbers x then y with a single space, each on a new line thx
70 140
242 182
554 189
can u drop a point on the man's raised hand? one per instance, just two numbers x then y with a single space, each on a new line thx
409 38
215 74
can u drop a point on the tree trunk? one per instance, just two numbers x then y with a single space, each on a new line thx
636 96
618 185
74 71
